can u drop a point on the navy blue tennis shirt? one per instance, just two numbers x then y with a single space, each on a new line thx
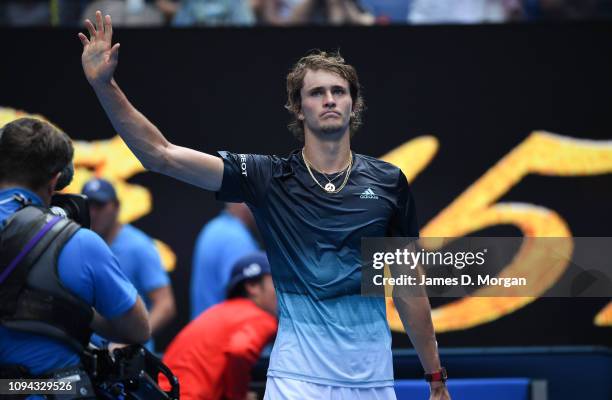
328 333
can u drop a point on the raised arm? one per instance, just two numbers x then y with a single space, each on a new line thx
154 151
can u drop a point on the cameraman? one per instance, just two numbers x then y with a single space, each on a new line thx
84 289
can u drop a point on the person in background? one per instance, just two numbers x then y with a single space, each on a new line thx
566 9
138 258
214 13
331 12
26 13
213 355
68 12
219 245
387 11
88 289
152 13
464 11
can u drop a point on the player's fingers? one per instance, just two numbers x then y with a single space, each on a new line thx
91 29
84 39
114 53
108 29
99 24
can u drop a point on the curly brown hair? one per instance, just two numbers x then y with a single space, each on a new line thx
321 60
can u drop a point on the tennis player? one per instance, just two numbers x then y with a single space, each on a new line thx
312 209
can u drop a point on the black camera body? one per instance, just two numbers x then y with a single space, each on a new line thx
72 206
131 373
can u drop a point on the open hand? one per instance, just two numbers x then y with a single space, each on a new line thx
99 56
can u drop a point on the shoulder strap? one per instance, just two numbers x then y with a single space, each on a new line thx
21 228
28 247
35 300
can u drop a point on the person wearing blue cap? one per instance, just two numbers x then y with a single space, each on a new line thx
135 251
213 355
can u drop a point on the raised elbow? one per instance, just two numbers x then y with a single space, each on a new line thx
150 165
154 163
159 161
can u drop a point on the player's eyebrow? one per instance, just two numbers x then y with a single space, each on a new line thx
332 87
314 89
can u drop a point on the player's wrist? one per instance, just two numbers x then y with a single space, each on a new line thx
438 375
101 84
437 386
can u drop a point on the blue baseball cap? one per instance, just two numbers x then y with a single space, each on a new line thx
251 266
99 190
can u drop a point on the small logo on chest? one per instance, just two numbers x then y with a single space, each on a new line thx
368 194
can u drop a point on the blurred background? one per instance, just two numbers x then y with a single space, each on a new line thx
186 13
506 100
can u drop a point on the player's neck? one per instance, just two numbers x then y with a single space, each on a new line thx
328 156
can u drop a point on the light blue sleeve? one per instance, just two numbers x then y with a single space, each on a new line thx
88 268
152 274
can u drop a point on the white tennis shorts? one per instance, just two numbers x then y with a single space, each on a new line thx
293 389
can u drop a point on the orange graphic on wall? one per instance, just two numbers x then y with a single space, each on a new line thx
475 209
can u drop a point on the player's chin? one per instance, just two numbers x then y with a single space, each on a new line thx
332 128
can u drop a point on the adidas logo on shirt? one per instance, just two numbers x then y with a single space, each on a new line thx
368 194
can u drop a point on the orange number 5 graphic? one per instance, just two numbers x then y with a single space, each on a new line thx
475 209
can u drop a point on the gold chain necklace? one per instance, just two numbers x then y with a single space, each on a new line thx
329 187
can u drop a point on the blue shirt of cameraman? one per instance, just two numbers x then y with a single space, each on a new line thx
88 269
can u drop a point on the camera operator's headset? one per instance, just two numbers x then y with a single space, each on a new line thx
32 298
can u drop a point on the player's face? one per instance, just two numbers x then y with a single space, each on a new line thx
326 103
